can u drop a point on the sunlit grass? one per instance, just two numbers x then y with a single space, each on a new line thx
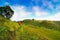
39 33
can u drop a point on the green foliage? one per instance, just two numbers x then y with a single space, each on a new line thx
6 12
50 25
45 23
32 22
29 30
9 25
7 28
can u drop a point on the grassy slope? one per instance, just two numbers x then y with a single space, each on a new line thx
47 24
5 26
32 31
28 32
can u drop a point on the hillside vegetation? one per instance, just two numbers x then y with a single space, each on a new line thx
29 30
7 29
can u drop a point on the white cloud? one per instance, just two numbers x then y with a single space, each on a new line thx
55 17
39 12
20 13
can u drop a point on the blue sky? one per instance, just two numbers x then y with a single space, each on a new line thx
37 9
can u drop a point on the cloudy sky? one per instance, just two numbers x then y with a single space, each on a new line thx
37 9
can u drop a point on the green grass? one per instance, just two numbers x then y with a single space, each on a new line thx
29 30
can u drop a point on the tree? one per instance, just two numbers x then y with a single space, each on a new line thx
6 12
32 19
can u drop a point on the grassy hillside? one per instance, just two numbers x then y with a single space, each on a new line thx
45 23
7 29
29 30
